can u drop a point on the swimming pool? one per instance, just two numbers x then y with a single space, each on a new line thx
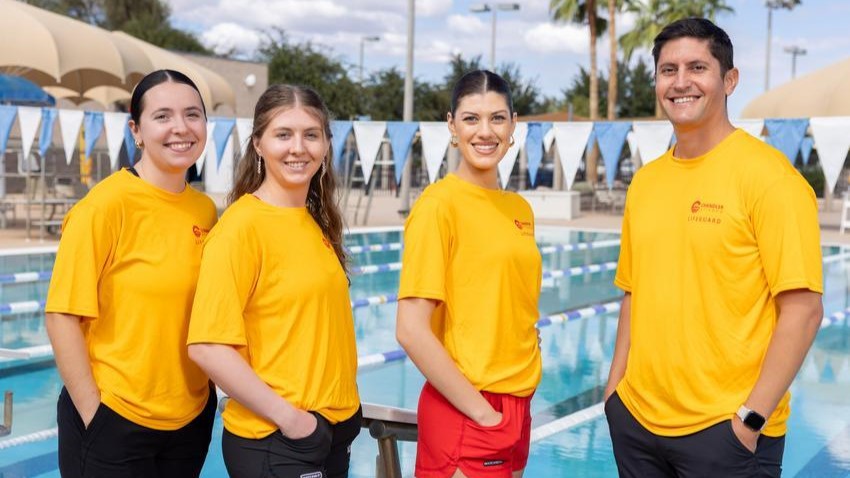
570 435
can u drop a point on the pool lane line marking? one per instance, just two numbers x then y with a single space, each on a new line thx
30 438
569 421
580 246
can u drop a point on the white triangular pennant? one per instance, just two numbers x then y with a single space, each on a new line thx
209 148
435 140
652 138
220 180
571 139
752 126
70 122
506 165
832 140
114 124
244 127
29 118
369 136
548 139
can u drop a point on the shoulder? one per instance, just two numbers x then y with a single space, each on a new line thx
106 197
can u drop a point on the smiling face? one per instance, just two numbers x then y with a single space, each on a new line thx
293 147
483 125
690 86
172 127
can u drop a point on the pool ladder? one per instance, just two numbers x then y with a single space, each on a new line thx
6 427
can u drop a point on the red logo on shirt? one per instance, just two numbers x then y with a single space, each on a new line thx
525 227
199 233
706 212
695 207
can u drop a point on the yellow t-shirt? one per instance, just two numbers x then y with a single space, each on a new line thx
128 262
272 287
473 249
707 245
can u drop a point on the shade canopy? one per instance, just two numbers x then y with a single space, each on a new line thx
104 95
55 50
20 91
825 92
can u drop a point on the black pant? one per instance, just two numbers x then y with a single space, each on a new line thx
713 452
114 447
325 453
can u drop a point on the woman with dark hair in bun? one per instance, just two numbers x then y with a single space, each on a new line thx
468 296
118 306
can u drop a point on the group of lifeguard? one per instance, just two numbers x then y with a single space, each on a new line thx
152 302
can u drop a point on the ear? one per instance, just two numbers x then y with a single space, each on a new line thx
256 143
134 129
451 123
730 81
513 123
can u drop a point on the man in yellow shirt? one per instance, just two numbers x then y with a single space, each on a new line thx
720 261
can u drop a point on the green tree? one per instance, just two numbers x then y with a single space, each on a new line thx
306 64
383 95
634 88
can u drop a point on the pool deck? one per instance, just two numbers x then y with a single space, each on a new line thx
384 213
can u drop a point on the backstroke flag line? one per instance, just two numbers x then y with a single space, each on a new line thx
28 117
369 136
435 140
114 124
653 139
571 139
506 165
832 137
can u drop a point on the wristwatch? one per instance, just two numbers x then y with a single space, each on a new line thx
752 419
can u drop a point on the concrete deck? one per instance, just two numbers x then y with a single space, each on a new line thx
384 212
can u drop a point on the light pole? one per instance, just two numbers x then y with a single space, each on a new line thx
363 41
486 7
795 51
771 6
404 206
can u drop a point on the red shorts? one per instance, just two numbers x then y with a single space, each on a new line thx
449 440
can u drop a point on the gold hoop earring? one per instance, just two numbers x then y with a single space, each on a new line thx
139 144
512 140
454 141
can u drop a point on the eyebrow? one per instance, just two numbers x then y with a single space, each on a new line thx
171 110
476 114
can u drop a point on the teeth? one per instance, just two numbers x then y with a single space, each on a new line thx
296 165
485 148
180 146
686 99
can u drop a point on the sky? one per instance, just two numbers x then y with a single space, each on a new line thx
546 52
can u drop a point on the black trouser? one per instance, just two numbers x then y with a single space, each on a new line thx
325 453
713 452
114 447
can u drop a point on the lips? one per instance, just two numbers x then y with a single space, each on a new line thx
180 147
296 165
684 99
485 148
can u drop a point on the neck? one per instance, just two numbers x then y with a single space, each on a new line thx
171 181
485 178
695 142
276 196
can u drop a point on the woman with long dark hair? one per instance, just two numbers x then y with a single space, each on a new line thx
470 283
272 321
120 297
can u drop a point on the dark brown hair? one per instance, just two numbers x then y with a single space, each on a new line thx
153 79
479 82
719 43
321 196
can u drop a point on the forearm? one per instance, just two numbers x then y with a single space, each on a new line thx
796 327
72 359
621 346
431 358
226 367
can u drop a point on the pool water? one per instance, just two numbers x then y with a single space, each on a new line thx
570 434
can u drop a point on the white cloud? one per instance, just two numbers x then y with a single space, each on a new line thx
429 8
466 24
225 38
550 37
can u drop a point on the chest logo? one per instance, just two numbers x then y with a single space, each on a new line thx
526 228
200 233
706 212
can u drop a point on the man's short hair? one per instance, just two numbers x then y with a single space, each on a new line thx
719 43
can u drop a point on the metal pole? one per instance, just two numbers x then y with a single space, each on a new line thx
767 57
493 43
408 106
362 41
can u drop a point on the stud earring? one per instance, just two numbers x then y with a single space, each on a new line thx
454 141
139 144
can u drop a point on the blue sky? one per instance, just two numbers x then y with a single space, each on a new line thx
549 53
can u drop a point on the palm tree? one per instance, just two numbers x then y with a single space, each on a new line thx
654 15
612 61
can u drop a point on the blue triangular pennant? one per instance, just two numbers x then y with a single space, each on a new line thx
130 144
7 120
92 128
534 149
806 148
786 135
545 127
340 131
611 136
221 133
45 137
401 135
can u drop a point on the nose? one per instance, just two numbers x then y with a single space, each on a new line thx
180 124
682 80
485 129
297 144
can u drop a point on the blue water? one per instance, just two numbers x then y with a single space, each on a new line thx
576 357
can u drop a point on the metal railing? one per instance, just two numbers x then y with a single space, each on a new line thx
389 425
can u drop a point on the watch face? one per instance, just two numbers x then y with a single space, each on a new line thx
754 421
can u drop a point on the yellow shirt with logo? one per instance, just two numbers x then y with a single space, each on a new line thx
128 263
707 245
272 287
473 250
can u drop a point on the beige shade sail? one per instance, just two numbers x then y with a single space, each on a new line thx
215 90
53 50
105 95
825 92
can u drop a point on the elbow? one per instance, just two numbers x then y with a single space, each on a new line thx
816 317
200 354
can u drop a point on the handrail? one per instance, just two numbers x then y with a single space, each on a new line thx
6 427
389 425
